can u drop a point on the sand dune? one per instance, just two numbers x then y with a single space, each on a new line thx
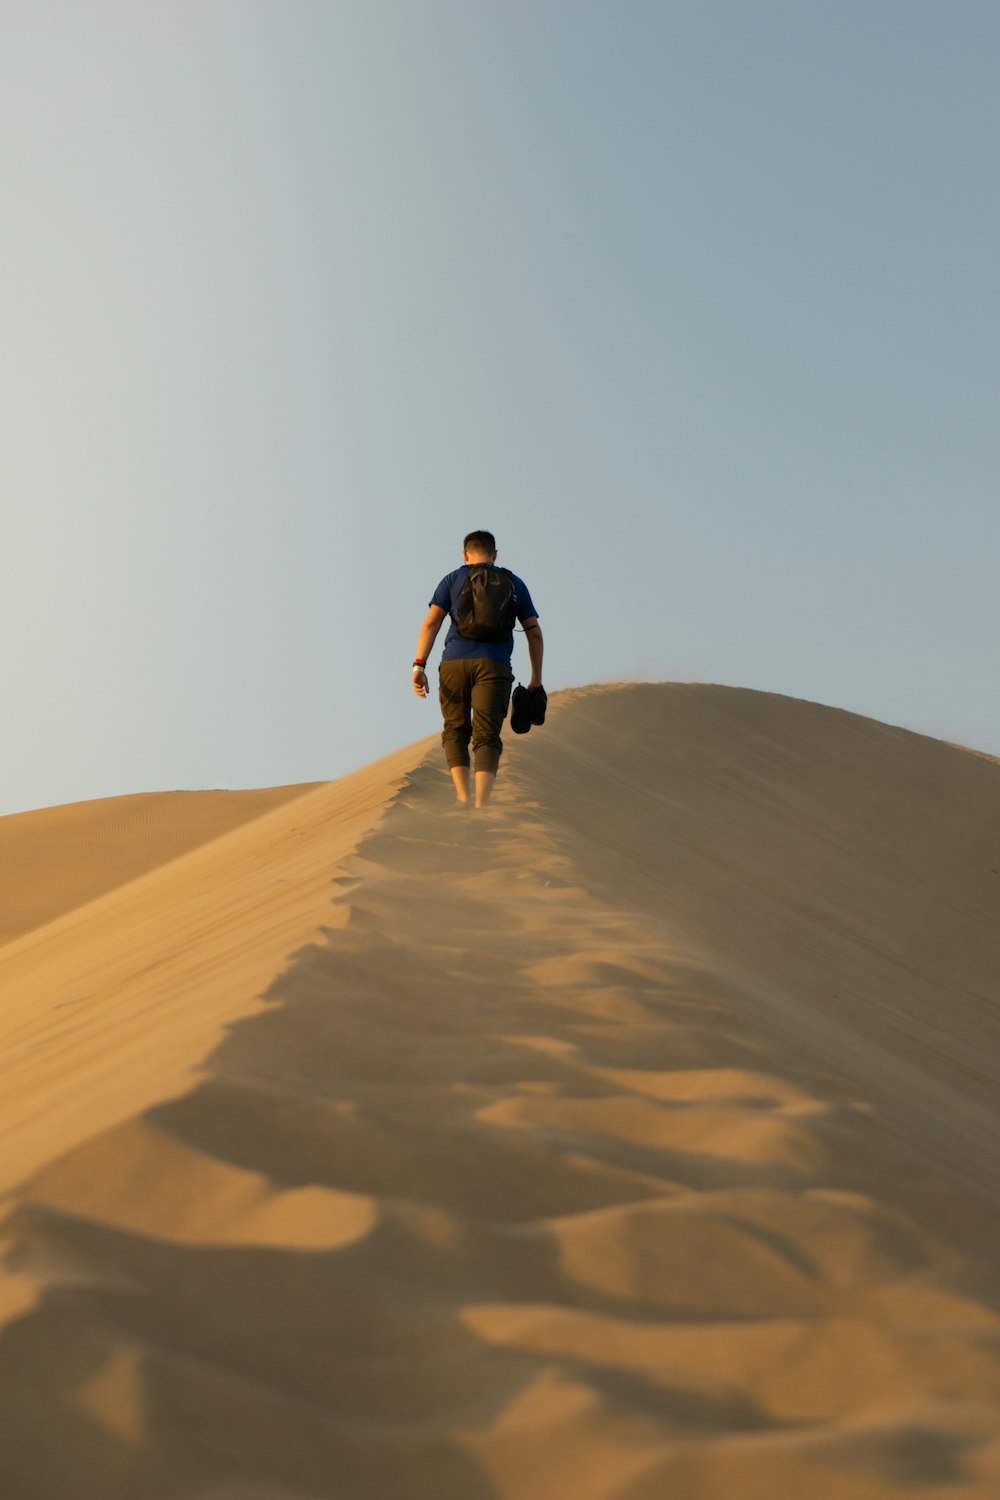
636 1138
54 860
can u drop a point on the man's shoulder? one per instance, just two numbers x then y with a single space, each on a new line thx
450 578
461 573
446 594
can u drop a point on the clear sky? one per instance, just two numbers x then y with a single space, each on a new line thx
695 304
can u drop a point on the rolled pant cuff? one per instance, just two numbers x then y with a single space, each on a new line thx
487 761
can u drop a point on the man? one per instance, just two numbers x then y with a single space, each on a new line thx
475 678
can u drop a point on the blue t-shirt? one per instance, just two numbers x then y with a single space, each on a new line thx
456 646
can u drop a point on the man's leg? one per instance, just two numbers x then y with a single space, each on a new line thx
491 687
454 693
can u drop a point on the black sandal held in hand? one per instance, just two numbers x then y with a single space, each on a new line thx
520 710
537 700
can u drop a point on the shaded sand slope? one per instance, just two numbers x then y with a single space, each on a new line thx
57 858
533 1175
845 872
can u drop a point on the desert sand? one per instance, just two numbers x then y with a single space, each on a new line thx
636 1138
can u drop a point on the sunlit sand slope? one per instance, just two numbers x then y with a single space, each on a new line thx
117 1002
588 1149
57 858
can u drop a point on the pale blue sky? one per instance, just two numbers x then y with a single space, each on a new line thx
696 305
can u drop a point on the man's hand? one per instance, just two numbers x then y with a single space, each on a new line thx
420 684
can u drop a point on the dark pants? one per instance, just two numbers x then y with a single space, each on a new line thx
475 696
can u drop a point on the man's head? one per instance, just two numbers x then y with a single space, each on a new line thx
479 546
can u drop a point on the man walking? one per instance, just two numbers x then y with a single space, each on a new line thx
475 678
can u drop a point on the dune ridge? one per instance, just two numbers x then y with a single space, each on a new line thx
537 1166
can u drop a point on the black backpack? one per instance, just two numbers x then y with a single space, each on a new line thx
487 606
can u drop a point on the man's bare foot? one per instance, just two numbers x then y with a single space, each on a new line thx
484 786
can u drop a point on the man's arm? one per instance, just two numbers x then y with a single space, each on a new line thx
536 646
425 643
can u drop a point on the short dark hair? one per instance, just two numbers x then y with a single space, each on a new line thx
480 541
